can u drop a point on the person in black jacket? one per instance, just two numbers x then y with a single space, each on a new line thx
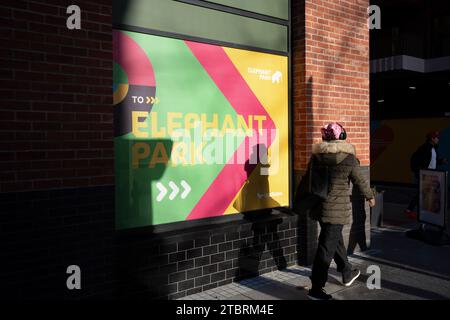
425 157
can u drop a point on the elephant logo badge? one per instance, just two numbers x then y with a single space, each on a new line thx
276 77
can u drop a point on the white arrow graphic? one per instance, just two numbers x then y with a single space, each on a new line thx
174 190
162 191
187 189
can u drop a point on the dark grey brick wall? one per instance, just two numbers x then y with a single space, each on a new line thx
43 232
205 257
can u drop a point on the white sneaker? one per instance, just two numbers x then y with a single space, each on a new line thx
354 275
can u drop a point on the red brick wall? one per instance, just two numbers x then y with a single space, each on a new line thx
331 73
56 96
330 42
56 114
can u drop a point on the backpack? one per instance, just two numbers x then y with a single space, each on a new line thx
313 189
318 180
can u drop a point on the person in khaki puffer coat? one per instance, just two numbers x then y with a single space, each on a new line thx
335 210
343 167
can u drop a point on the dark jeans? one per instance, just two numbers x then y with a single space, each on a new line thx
331 246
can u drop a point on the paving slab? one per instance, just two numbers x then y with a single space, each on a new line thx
277 291
239 297
361 292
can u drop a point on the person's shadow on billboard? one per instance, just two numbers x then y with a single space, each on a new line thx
138 254
255 193
255 253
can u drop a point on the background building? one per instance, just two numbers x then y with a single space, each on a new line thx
409 83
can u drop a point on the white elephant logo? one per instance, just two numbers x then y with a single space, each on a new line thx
276 77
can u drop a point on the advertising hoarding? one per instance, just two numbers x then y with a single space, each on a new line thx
433 197
200 130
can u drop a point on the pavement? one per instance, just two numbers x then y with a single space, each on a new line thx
409 270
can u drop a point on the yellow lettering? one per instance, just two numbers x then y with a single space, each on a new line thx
155 133
172 121
210 125
228 125
140 150
190 121
136 124
260 119
156 158
243 127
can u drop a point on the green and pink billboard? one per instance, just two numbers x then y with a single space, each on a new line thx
200 130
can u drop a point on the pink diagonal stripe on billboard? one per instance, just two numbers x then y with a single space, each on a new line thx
132 58
230 82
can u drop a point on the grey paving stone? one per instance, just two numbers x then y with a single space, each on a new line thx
258 295
332 287
299 282
227 294
363 293
277 292
416 284
238 297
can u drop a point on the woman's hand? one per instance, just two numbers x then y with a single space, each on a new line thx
371 202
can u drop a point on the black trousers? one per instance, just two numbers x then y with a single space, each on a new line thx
331 246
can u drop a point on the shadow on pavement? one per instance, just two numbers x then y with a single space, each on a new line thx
404 253
405 289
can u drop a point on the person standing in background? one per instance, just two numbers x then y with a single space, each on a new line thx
425 157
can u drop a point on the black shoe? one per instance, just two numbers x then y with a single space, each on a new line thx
348 280
319 294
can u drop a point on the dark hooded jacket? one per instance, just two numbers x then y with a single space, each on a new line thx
421 158
343 168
